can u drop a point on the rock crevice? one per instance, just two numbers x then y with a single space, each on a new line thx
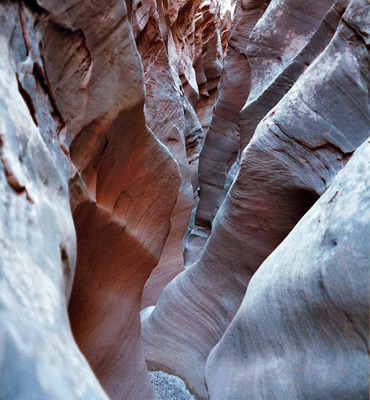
184 189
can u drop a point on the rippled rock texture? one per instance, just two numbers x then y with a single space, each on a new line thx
39 358
214 149
182 53
306 113
302 329
77 67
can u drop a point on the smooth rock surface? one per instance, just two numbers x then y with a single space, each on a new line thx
296 151
302 331
88 101
39 359
165 113
106 110
222 143
182 56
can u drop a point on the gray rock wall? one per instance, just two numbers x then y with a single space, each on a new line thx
138 138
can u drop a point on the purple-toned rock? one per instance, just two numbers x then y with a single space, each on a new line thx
296 151
302 329
222 143
39 358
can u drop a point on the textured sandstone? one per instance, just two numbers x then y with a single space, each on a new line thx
39 358
182 57
106 110
165 113
221 148
302 329
222 143
122 217
125 182
295 152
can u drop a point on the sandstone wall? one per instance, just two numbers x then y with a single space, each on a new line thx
202 162
307 112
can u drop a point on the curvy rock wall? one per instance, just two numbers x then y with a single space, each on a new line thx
165 114
170 115
39 358
123 182
301 140
223 137
302 329
141 137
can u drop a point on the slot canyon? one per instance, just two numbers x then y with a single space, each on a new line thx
184 199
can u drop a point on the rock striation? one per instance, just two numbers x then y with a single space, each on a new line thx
301 331
182 50
39 358
123 182
299 143
203 164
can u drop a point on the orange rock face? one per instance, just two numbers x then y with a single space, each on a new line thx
184 189
122 197
124 183
182 53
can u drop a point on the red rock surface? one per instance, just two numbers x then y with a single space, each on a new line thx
125 182
140 138
123 202
182 53
165 113
295 152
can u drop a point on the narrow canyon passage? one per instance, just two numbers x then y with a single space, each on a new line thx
185 199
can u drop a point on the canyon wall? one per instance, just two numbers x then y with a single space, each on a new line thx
77 67
202 163
298 128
